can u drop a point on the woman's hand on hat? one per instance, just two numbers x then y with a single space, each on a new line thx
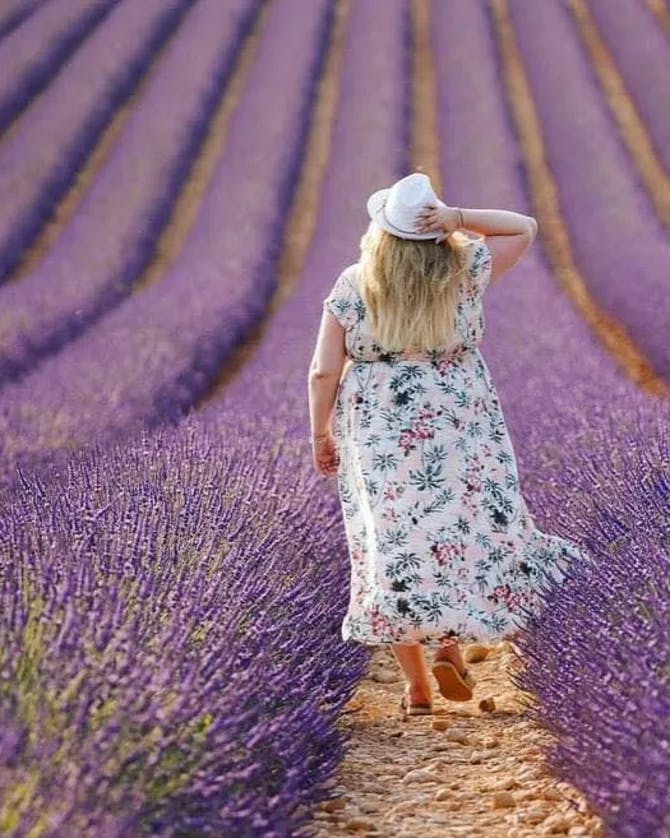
437 219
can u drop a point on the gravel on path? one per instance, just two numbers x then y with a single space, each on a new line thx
469 769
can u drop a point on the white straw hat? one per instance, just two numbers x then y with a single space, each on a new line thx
397 207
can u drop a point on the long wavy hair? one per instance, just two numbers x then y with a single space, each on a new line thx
411 288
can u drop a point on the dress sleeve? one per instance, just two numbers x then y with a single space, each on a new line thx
480 265
342 300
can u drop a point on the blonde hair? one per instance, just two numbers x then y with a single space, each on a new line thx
411 288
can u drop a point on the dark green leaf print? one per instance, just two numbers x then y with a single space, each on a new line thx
407 561
496 435
497 555
511 482
463 525
504 458
436 454
371 486
403 606
425 479
432 611
483 540
493 488
443 578
396 537
500 518
475 429
439 500
385 461
463 445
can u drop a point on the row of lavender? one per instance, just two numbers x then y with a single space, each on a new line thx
624 25
620 244
113 232
266 384
593 451
73 112
171 603
16 12
161 347
170 658
36 46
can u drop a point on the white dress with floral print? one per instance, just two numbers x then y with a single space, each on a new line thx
441 543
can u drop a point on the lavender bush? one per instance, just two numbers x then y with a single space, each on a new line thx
595 468
192 583
236 551
369 149
113 233
72 112
597 659
624 25
619 243
15 12
32 52
160 348
169 658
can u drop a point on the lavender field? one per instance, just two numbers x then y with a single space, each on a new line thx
181 184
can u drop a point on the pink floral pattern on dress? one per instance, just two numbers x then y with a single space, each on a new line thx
441 543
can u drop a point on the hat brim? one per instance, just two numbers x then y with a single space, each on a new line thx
375 207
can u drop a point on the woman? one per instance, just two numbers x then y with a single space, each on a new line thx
442 547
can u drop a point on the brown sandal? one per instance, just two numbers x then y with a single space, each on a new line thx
453 685
408 708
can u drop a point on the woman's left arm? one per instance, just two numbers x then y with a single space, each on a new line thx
324 377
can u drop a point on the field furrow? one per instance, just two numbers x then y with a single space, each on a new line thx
614 231
160 348
74 111
652 171
661 12
592 451
15 13
173 570
250 539
624 25
32 55
113 234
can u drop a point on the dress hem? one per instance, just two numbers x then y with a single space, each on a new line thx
464 637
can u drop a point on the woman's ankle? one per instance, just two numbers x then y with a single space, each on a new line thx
418 690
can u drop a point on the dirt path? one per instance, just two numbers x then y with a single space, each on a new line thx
463 771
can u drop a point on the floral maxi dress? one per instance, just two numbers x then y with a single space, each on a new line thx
440 541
